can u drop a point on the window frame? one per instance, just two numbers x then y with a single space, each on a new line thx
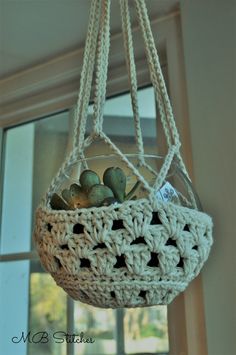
52 87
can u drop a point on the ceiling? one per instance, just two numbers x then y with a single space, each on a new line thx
34 31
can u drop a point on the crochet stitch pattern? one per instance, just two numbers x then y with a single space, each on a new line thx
133 255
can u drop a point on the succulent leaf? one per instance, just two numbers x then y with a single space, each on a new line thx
98 193
109 201
57 203
79 196
115 178
88 178
75 190
66 194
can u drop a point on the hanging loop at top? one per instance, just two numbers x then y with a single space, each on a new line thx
162 98
157 79
96 58
81 111
101 67
166 112
132 75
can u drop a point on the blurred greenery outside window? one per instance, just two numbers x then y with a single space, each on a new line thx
32 154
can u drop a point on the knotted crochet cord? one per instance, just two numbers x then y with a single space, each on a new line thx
138 253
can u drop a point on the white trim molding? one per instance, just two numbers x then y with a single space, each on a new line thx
53 85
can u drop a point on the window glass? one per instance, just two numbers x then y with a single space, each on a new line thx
146 330
119 124
52 142
17 189
14 300
33 154
97 324
47 314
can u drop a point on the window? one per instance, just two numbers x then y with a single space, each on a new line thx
30 299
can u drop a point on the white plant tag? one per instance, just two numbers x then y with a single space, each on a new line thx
166 192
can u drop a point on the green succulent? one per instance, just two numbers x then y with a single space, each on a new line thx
75 197
92 193
88 178
66 195
75 190
115 179
98 193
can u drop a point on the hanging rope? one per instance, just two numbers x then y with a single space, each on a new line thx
162 98
132 75
81 109
87 75
102 68
130 62
96 57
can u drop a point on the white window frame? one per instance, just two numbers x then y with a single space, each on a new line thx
52 87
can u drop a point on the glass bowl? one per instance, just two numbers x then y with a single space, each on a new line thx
177 188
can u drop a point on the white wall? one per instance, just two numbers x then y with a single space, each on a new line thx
209 44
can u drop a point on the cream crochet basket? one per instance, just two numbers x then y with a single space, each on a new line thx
138 253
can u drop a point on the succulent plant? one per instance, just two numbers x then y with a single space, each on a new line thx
92 193
98 193
66 195
75 197
88 178
75 190
80 196
109 201
115 179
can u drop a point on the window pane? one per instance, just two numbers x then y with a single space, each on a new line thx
33 154
52 141
98 324
17 189
14 291
119 123
146 330
47 314
120 106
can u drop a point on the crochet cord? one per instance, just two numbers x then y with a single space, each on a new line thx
97 53
87 75
102 68
81 108
130 63
132 75
165 109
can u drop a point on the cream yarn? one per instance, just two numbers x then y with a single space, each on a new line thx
124 256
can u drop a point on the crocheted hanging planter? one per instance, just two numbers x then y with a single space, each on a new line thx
136 253
132 233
